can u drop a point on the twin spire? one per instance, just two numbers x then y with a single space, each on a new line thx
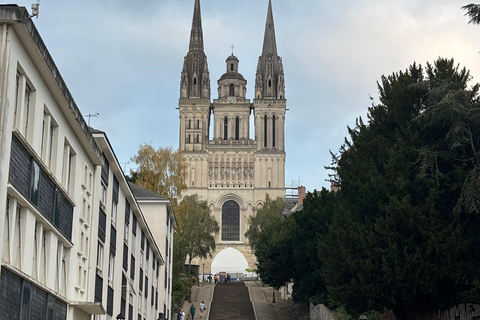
269 83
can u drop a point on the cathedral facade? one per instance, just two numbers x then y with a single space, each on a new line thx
229 169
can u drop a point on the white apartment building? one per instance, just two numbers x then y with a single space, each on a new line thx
75 244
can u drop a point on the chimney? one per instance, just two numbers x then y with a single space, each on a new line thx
301 195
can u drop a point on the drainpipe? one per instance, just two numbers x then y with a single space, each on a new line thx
5 61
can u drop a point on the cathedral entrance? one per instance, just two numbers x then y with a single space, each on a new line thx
230 260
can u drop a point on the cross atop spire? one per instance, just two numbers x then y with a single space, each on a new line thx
196 35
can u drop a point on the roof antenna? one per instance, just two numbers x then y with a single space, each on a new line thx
233 47
35 9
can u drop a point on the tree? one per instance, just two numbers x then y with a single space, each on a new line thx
271 212
195 234
395 240
473 12
309 228
162 171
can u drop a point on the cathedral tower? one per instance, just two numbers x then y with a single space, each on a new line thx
233 171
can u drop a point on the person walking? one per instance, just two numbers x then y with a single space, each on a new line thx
202 308
215 278
192 311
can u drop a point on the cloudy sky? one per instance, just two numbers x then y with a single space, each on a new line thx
122 59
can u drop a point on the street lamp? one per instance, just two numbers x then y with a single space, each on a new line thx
203 274
120 316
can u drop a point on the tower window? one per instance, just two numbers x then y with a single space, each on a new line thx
198 124
265 131
225 129
237 128
189 124
198 138
269 83
232 90
273 131
194 81
230 221
231 67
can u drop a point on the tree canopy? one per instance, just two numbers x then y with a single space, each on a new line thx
402 233
195 234
161 170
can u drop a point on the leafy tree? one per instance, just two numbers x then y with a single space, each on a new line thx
274 252
473 12
195 234
270 213
162 171
309 228
394 240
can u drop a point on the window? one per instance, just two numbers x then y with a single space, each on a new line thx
225 129
114 212
273 131
49 139
68 173
237 128
231 90
265 131
132 267
100 256
198 138
111 268
230 221
198 124
269 83
231 67
103 193
189 124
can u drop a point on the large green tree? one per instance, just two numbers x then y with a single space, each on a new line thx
310 226
396 239
196 231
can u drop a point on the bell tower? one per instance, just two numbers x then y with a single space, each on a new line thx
194 103
269 107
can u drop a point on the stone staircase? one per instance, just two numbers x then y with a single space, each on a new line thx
231 301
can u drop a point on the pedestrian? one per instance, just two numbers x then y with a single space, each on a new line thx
179 315
209 278
215 278
202 308
228 277
183 314
192 311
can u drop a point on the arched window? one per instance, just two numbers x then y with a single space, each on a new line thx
225 129
273 132
231 91
269 83
189 124
265 131
230 221
194 81
231 67
237 128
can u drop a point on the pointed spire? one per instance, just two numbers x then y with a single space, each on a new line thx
269 82
196 35
269 42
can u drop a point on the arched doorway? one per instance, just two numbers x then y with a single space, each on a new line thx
230 260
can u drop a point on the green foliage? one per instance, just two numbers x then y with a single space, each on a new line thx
402 234
310 228
270 213
195 234
473 12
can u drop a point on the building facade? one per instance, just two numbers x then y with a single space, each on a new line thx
75 243
231 170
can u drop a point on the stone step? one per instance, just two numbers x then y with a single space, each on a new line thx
231 301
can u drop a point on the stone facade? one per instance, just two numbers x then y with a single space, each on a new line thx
232 171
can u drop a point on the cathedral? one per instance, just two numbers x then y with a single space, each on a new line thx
229 169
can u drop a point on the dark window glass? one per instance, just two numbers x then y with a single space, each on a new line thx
231 91
34 182
26 298
230 221
225 129
265 131
132 267
237 128
273 131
